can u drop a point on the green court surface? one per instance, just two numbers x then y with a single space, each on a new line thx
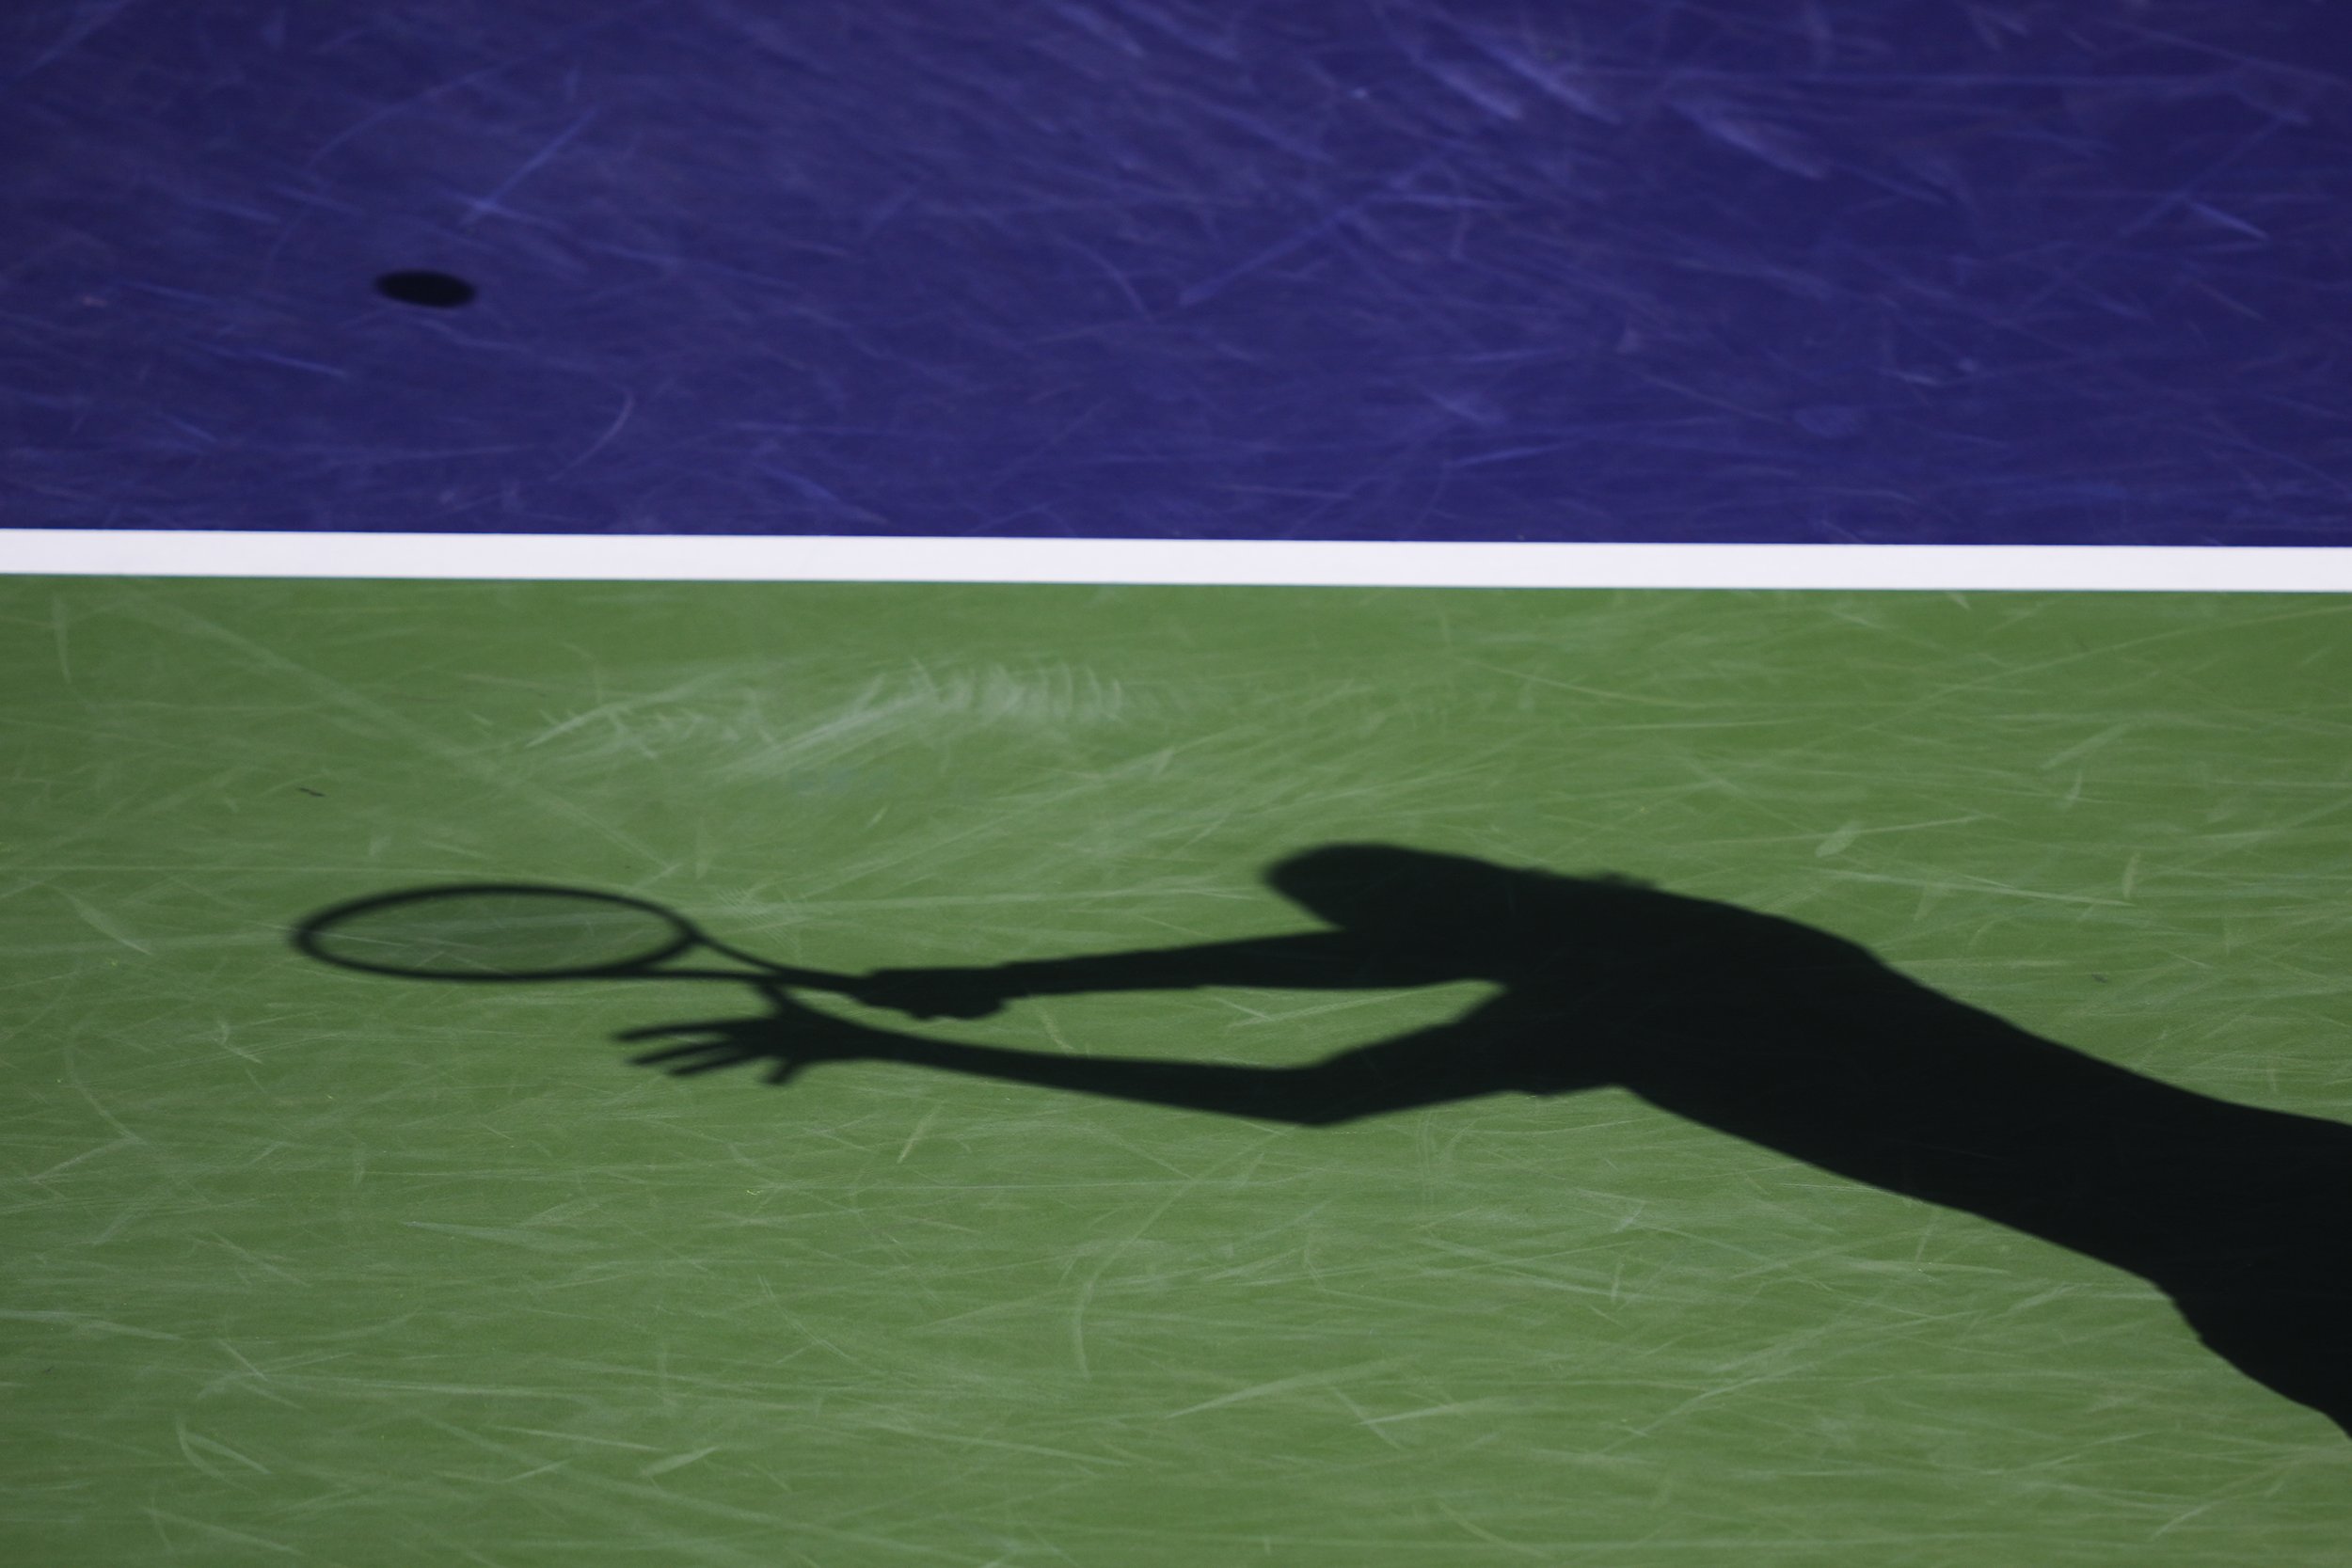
310 1266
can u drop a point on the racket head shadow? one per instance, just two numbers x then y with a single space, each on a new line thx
495 932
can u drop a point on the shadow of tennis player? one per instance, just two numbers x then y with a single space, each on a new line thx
1756 1026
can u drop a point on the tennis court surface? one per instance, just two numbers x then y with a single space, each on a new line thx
363 1266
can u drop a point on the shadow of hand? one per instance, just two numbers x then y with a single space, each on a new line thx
718 1043
925 993
787 1037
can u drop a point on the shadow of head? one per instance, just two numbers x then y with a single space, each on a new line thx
1368 886
1426 898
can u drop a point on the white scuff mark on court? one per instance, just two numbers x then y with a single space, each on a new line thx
206 1528
530 1240
96 921
481 206
917 1137
1483 1533
629 406
83 1322
1285 1386
1456 1407
124 1142
676 1462
618 708
1978 885
501 779
193 1445
578 1438
2084 746
58 622
255 1259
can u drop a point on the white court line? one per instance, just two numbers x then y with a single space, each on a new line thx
1323 564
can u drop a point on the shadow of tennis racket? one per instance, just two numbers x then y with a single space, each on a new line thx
523 933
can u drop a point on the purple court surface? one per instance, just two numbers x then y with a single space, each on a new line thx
1949 271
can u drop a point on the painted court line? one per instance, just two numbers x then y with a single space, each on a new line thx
1332 563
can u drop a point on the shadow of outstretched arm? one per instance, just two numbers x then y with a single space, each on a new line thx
1308 961
1450 1061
